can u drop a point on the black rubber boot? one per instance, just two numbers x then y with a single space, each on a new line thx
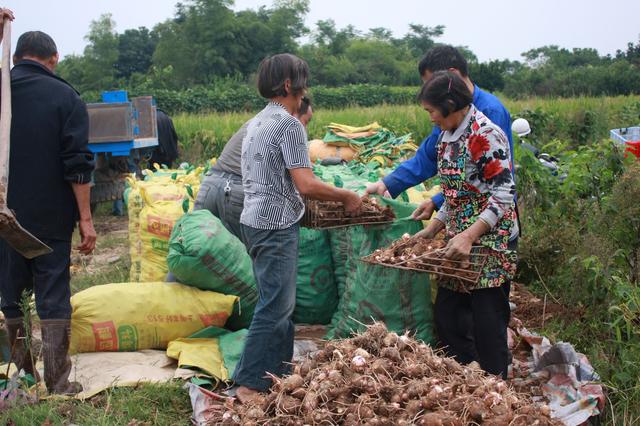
55 351
22 356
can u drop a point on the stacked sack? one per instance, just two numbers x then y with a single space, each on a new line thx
154 206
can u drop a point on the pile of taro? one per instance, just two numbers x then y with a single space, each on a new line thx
380 378
329 214
426 255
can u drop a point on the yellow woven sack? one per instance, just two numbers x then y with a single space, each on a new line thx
343 128
204 354
161 190
134 207
156 224
125 317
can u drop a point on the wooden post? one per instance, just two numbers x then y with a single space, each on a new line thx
5 111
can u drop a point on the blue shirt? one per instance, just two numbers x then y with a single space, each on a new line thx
424 164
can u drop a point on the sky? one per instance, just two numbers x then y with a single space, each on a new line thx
492 29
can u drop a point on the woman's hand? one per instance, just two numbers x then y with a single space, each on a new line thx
430 231
459 247
352 203
378 188
424 211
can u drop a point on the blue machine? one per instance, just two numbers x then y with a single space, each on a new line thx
117 125
121 132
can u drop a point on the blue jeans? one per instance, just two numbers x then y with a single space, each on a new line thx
223 195
269 343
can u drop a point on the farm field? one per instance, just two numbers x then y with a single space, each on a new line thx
579 252
580 119
580 237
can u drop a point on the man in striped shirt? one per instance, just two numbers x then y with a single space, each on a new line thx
276 171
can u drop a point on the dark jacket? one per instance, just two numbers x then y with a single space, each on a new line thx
167 150
49 151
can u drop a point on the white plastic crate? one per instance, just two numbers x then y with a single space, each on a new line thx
626 134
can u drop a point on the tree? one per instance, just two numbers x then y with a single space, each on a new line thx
421 38
207 39
135 51
95 70
632 55
380 33
336 41
557 57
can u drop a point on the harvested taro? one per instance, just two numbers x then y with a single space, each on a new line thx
330 214
381 378
427 255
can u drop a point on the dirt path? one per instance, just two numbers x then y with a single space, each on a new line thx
112 246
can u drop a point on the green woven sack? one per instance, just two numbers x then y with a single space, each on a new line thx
203 254
400 298
316 291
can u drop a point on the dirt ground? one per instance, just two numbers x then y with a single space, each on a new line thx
533 311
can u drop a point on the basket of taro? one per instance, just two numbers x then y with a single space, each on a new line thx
331 214
426 255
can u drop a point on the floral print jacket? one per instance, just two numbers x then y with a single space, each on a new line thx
487 166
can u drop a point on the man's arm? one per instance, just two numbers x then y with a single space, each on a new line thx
416 170
82 193
78 165
296 157
312 187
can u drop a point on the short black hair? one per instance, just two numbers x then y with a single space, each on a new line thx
36 44
441 58
445 91
304 106
276 69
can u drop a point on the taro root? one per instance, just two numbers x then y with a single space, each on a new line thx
292 383
288 404
254 413
391 353
423 254
380 378
382 366
414 407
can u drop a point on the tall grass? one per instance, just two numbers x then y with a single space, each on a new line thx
204 135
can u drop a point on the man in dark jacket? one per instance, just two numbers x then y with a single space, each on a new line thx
49 185
167 150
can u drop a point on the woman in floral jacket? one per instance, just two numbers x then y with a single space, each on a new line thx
478 214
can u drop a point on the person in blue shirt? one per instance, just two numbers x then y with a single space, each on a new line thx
424 164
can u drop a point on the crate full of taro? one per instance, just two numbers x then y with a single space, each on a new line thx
428 255
331 214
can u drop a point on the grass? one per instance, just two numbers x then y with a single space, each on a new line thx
204 135
148 404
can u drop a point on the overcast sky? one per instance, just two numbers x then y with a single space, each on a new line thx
493 29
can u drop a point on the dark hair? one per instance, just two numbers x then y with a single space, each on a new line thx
276 69
304 106
36 44
441 58
445 91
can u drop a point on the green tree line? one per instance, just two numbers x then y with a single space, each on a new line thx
208 47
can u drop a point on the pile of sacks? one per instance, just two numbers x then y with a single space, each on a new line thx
154 204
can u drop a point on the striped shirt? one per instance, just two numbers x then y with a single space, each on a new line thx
275 142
